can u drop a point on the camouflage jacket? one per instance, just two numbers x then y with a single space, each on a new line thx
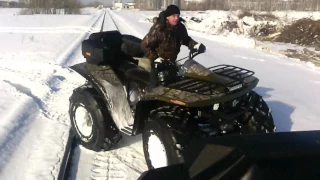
165 41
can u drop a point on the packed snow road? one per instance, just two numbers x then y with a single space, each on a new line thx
36 84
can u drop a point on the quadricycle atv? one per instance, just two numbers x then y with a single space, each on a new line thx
193 102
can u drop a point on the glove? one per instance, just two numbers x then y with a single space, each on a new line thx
158 60
200 48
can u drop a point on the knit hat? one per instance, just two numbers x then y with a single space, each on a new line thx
171 10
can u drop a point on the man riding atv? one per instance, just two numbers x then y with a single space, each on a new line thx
192 104
162 43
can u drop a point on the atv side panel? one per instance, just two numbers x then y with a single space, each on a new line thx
109 86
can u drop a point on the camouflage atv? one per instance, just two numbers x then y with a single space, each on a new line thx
192 102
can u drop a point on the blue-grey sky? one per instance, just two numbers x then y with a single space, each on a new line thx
103 1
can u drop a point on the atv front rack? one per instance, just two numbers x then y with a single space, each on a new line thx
232 72
235 75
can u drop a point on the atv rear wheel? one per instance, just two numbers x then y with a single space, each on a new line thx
160 144
89 119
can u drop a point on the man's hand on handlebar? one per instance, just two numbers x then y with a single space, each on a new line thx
158 61
199 48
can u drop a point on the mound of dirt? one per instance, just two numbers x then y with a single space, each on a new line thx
303 32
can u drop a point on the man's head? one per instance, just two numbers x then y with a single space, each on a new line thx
172 14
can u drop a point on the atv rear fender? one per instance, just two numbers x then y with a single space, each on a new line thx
106 82
80 68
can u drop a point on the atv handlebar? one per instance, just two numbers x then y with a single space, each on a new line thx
192 54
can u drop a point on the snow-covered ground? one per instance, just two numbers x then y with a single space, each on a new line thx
35 85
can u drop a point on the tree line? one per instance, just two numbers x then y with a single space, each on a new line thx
52 7
256 5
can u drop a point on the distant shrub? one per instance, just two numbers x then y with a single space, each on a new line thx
52 7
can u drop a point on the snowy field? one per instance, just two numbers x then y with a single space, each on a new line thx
35 85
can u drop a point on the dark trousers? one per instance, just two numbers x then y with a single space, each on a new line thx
153 77
171 68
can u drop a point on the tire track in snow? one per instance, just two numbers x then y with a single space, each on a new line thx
123 27
106 166
249 58
55 167
131 158
117 164
26 113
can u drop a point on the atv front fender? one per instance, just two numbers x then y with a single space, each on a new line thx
106 82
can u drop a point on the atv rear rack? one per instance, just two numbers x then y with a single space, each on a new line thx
235 74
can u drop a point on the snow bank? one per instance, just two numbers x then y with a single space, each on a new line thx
9 11
230 39
213 20
89 10
290 16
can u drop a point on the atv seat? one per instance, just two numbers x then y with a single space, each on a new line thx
131 45
139 74
135 72
144 63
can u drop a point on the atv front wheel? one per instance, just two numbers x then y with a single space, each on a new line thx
159 144
259 118
89 119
